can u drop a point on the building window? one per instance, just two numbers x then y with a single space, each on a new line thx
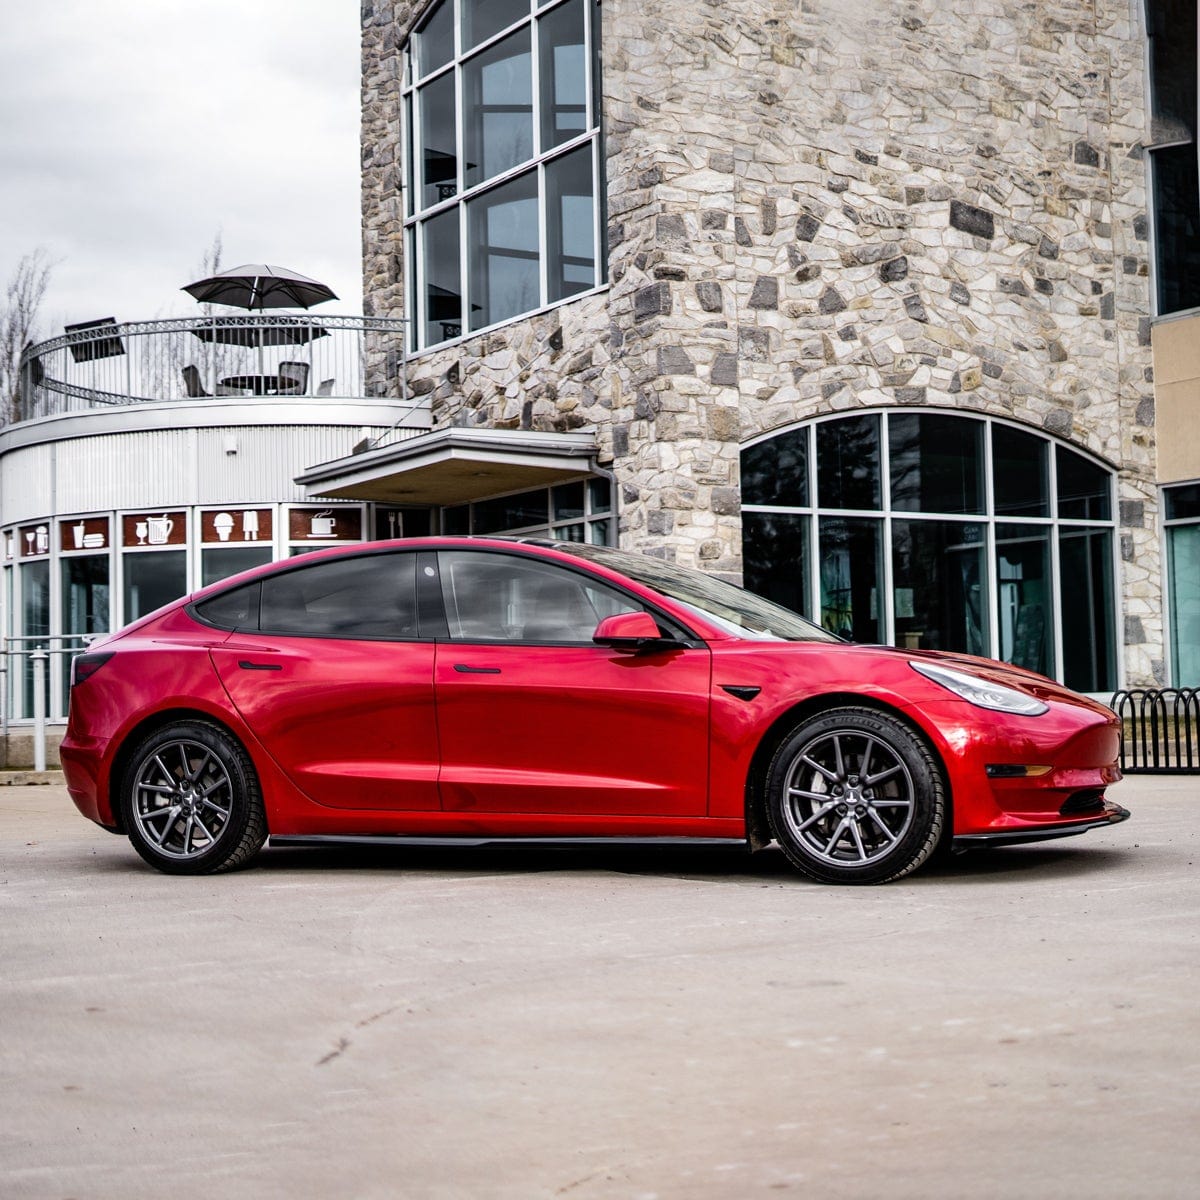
501 145
931 530
567 512
1181 510
1171 29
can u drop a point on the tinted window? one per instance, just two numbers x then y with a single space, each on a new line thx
848 462
1019 473
1083 487
234 609
936 463
776 471
369 597
500 597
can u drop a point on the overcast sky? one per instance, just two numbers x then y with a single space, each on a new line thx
133 131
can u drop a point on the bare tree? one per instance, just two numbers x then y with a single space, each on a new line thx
19 317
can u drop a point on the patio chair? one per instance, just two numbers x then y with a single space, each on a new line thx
326 387
293 378
191 382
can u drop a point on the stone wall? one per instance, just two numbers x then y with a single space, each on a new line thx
825 205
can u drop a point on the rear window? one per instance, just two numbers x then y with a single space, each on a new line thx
374 596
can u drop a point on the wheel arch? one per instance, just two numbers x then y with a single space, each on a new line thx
758 828
136 734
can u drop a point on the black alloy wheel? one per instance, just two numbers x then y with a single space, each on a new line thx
855 796
191 800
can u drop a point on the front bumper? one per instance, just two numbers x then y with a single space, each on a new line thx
1109 814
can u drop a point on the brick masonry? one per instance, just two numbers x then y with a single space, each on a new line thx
820 206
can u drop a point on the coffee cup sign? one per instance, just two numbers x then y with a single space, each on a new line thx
330 524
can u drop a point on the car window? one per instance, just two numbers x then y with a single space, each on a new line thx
234 609
505 598
374 596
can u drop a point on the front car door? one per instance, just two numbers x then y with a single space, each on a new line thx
534 718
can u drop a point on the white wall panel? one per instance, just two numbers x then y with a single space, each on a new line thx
26 485
163 468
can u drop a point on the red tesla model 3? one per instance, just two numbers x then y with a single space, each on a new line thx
483 690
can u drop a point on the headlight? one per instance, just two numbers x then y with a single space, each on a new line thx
982 692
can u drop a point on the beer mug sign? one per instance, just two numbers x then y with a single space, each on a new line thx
159 529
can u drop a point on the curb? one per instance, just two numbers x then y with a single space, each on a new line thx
30 777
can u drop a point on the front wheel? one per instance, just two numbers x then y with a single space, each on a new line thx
191 800
854 796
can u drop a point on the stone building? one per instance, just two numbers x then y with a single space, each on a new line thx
852 298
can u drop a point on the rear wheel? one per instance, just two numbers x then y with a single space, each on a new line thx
854 796
191 800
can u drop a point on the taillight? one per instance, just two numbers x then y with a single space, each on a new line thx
86 665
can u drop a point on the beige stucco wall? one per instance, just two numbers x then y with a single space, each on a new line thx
1177 397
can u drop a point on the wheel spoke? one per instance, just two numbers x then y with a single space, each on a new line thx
816 816
837 752
837 835
887 833
864 761
194 775
832 776
858 842
872 780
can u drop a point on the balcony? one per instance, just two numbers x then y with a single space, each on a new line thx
104 365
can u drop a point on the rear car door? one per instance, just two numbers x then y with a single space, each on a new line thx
334 678
533 717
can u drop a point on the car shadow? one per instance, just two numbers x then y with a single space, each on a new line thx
716 864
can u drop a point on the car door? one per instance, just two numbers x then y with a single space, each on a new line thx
533 717
336 682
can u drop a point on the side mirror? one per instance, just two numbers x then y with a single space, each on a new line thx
627 631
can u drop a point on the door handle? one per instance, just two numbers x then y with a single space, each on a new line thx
246 665
463 669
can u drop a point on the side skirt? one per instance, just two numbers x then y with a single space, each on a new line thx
325 839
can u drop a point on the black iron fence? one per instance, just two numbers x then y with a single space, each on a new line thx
1160 730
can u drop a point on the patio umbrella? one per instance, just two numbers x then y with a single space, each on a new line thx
257 285
283 333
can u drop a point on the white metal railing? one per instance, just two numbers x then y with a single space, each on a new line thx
105 364
26 668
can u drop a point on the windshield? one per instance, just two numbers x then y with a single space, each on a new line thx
733 609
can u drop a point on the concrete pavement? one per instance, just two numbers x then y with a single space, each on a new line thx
541 1023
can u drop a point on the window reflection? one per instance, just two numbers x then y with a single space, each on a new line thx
1083 487
1087 628
936 463
848 462
851 565
776 558
562 64
1025 609
152 580
439 141
570 226
498 98
481 19
1019 473
940 586
434 41
776 471
443 289
503 235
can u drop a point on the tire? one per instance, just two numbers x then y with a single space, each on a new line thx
854 796
191 800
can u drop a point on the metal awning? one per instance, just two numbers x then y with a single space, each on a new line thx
452 466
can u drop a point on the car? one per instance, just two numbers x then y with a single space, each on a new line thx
475 690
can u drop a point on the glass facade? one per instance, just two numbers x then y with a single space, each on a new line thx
939 531
501 148
1171 26
1181 512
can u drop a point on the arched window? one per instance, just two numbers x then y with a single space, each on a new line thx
939 531
501 149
